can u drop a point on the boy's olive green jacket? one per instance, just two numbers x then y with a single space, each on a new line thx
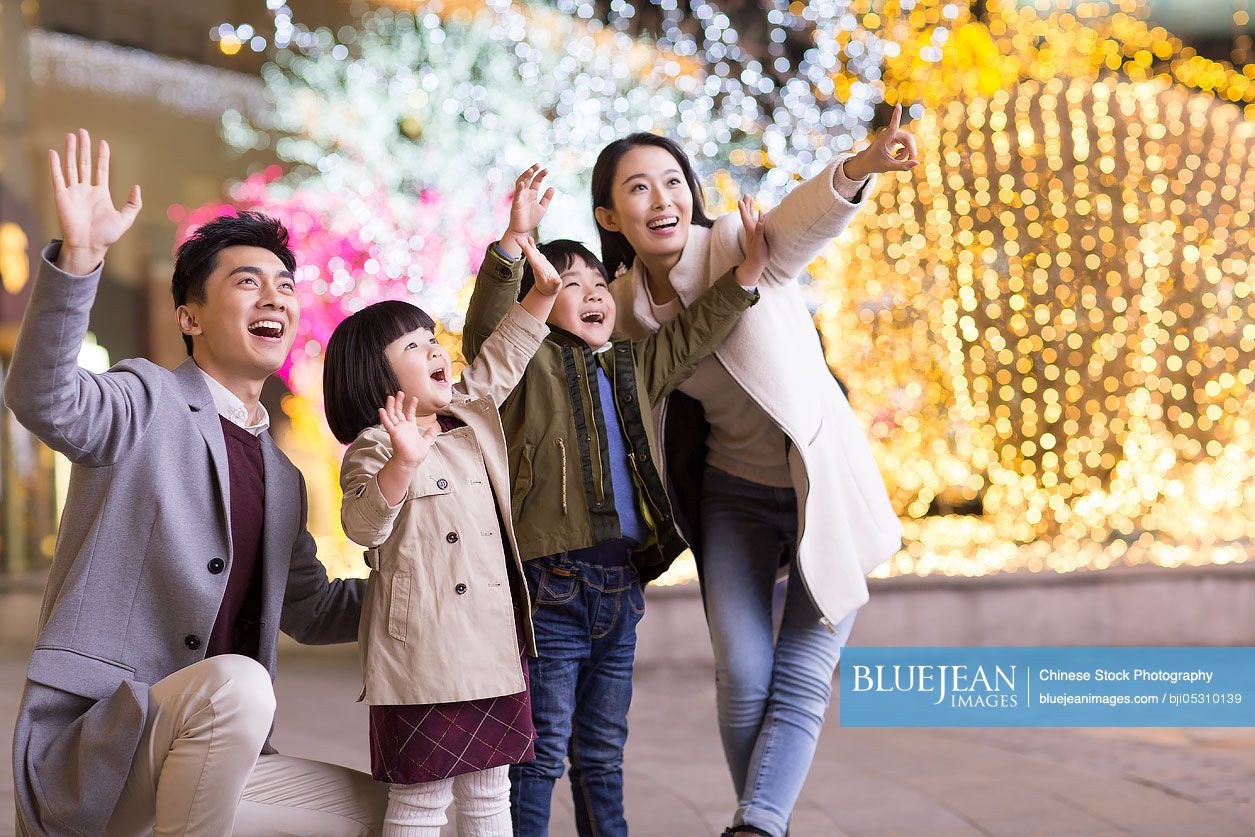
555 431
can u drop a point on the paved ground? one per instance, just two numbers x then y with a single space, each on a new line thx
932 783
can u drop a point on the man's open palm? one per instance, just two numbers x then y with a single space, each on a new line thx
89 221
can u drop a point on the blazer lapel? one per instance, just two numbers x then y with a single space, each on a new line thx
281 516
205 417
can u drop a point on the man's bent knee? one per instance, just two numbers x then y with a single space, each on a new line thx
244 694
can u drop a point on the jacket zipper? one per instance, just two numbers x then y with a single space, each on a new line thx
644 499
562 456
588 389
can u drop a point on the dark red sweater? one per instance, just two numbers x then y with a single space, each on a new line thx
236 629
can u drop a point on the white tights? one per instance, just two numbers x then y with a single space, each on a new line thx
483 806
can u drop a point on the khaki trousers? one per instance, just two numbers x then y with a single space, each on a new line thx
197 769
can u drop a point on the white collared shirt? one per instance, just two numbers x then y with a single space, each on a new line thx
232 408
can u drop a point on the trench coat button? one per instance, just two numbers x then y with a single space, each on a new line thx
192 641
217 565
452 537
627 396
442 484
460 588
503 271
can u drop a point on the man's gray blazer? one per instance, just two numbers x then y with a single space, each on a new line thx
130 598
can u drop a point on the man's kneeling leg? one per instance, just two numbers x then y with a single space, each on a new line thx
206 726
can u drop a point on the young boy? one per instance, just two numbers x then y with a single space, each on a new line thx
591 515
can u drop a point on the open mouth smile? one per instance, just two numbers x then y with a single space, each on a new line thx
664 224
593 317
267 329
440 376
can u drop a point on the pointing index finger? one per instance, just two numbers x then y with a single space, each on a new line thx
895 119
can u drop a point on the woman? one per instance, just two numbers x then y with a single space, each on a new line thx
785 475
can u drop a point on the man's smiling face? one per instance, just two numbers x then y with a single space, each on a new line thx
246 323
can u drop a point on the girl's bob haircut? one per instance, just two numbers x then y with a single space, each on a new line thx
356 376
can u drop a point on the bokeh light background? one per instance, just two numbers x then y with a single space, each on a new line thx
1047 328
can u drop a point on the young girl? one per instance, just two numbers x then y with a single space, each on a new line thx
445 627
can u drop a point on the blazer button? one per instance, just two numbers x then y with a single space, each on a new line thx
452 537
217 565
460 588
192 641
442 484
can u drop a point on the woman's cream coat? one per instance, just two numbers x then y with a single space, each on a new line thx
846 526
438 623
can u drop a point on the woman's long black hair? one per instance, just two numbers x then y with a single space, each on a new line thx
616 253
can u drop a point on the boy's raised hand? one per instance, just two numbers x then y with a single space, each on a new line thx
527 207
90 224
410 443
539 300
750 271
548 282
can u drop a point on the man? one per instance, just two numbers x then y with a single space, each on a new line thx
182 549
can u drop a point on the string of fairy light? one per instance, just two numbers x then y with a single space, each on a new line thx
1051 320
776 123
1062 322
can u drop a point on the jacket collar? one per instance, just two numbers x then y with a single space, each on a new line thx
688 277
562 337
195 390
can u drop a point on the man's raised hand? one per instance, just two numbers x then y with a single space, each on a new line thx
90 224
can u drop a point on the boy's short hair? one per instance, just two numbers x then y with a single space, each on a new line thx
356 376
561 252
197 256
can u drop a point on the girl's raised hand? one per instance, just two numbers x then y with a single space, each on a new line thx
756 251
410 443
529 205
548 282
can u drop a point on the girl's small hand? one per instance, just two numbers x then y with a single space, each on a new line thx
756 251
548 282
410 443
529 205
892 149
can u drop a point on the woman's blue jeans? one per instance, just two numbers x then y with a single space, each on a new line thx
772 693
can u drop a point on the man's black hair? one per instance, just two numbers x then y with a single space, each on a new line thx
197 257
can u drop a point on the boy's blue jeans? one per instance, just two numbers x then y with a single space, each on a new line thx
585 618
